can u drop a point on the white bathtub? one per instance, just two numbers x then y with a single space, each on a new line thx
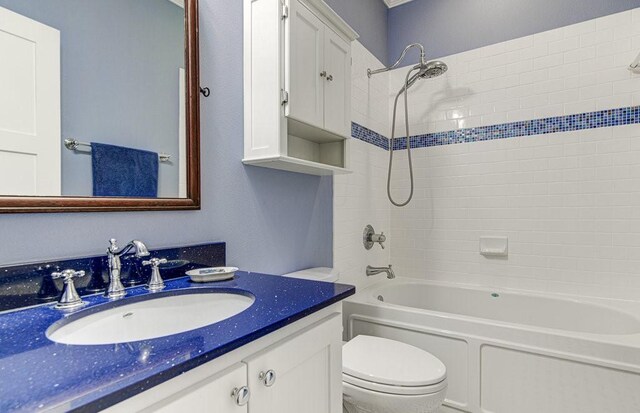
512 352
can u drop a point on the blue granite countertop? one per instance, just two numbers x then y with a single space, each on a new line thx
37 374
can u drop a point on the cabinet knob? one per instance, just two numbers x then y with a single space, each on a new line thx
330 78
241 395
323 73
267 378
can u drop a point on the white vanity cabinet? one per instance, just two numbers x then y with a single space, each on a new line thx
301 374
212 394
297 79
292 370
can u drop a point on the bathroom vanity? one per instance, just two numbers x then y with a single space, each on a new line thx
289 371
280 353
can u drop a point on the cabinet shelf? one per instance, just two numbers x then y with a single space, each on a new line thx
287 163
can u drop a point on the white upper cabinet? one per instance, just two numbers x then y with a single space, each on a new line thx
306 63
301 121
337 102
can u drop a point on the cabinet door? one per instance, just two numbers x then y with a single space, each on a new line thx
305 81
210 395
308 372
337 63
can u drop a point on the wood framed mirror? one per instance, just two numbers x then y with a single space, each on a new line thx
91 94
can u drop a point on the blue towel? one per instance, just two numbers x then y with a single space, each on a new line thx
124 172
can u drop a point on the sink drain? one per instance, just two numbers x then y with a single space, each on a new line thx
381 298
495 295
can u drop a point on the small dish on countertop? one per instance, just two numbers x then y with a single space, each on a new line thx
212 274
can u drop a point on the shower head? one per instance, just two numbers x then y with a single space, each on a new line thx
426 71
432 69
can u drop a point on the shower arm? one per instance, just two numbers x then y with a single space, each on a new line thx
423 60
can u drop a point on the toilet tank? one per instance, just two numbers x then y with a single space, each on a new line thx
325 274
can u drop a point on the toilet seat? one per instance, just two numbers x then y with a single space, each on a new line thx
391 367
394 390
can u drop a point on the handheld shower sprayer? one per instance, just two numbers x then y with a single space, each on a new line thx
424 70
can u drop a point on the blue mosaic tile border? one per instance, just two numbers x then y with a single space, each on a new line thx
369 136
581 121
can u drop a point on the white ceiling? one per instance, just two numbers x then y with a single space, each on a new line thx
394 3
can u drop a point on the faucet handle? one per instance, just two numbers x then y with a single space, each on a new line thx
67 275
113 247
155 283
70 297
155 262
379 238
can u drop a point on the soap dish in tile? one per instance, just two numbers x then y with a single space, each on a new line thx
206 275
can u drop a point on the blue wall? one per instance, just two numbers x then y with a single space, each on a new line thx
369 19
115 90
273 221
452 26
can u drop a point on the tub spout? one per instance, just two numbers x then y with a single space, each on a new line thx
377 270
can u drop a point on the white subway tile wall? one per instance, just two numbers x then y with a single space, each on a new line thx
369 103
574 69
569 202
360 198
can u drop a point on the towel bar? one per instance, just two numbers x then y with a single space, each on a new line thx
73 144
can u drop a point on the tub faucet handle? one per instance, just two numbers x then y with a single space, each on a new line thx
70 297
379 238
369 237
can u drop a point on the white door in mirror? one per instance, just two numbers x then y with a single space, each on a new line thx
29 107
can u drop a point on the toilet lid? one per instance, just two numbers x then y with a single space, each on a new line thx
390 362
316 274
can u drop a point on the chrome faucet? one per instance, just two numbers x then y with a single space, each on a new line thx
116 289
70 297
377 270
369 237
155 282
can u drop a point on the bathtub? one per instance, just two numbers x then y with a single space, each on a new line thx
509 351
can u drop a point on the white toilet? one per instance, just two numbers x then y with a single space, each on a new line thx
385 376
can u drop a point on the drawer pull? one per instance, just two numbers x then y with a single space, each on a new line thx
267 378
241 395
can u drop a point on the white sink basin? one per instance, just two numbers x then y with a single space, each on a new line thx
156 317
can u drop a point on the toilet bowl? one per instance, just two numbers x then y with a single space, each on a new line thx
385 376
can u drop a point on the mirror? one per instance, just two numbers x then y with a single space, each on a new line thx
99 105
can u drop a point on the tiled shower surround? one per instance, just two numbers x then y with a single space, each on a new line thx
509 145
